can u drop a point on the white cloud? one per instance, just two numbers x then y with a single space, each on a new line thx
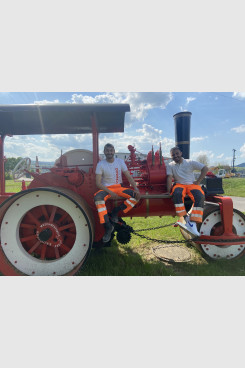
198 139
147 137
239 95
195 155
140 102
150 131
220 156
242 150
190 99
239 129
44 102
48 147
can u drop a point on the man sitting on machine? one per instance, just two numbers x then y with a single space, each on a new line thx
108 180
185 184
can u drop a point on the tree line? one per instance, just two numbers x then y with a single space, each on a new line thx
9 165
205 160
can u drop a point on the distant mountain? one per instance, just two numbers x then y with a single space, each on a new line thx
241 165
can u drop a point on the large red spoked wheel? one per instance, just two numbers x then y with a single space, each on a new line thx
47 232
212 225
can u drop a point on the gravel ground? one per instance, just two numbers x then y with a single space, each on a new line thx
239 203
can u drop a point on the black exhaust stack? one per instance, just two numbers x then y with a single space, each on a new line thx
182 122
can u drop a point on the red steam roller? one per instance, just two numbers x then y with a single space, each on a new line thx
49 227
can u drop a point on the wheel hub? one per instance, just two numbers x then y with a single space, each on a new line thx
49 234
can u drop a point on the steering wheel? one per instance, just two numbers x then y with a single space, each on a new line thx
21 167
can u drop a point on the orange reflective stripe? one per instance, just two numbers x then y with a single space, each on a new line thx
98 206
179 208
200 213
102 216
129 206
196 219
181 214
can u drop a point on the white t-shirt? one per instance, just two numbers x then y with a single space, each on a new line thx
183 173
111 171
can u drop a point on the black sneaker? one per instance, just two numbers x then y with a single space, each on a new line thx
107 237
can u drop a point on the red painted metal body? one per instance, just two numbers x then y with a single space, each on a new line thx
153 202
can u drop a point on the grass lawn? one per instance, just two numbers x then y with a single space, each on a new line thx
137 258
234 187
12 186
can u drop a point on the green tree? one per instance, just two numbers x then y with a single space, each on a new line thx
9 165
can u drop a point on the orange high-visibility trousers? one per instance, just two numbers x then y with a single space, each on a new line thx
101 197
195 193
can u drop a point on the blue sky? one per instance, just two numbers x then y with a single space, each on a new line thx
217 123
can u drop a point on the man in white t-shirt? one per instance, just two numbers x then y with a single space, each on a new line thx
108 180
185 184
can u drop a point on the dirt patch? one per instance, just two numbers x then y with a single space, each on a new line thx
172 253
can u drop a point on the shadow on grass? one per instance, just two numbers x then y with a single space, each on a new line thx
118 261
126 261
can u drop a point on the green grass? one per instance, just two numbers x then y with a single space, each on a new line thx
12 186
234 187
137 258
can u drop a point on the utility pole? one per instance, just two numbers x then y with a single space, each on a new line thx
234 157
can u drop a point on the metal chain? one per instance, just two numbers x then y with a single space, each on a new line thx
162 241
155 228
187 241
136 232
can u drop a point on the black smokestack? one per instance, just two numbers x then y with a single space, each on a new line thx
182 122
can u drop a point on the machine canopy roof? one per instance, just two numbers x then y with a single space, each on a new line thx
61 118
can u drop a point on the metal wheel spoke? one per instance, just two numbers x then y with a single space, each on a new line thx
64 247
31 237
28 226
68 233
54 209
63 217
69 226
30 251
33 218
45 213
57 253
43 251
